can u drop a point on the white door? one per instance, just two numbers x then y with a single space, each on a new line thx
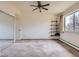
6 26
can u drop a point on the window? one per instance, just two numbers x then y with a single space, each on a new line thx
77 22
72 22
69 23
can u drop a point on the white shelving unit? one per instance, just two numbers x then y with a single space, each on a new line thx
54 30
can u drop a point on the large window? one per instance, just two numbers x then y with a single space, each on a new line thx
72 22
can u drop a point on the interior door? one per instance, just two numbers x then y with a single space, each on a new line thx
6 26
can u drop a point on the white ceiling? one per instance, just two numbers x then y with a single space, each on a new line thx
55 7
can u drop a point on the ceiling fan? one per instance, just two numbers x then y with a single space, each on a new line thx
40 6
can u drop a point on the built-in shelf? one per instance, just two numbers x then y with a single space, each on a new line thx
54 29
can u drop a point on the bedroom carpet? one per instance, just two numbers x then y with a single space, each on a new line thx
33 48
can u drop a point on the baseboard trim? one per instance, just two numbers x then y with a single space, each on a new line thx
36 39
70 44
6 39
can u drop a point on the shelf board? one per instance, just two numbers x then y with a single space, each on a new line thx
54 25
54 28
54 21
53 31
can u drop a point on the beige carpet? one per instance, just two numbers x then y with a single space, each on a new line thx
34 48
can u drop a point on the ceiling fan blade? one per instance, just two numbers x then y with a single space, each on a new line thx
45 8
45 5
33 5
34 9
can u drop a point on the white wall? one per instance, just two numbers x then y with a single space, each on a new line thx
71 37
34 25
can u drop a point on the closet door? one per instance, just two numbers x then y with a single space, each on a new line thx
6 26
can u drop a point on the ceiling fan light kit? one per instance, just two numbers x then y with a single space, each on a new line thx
40 6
